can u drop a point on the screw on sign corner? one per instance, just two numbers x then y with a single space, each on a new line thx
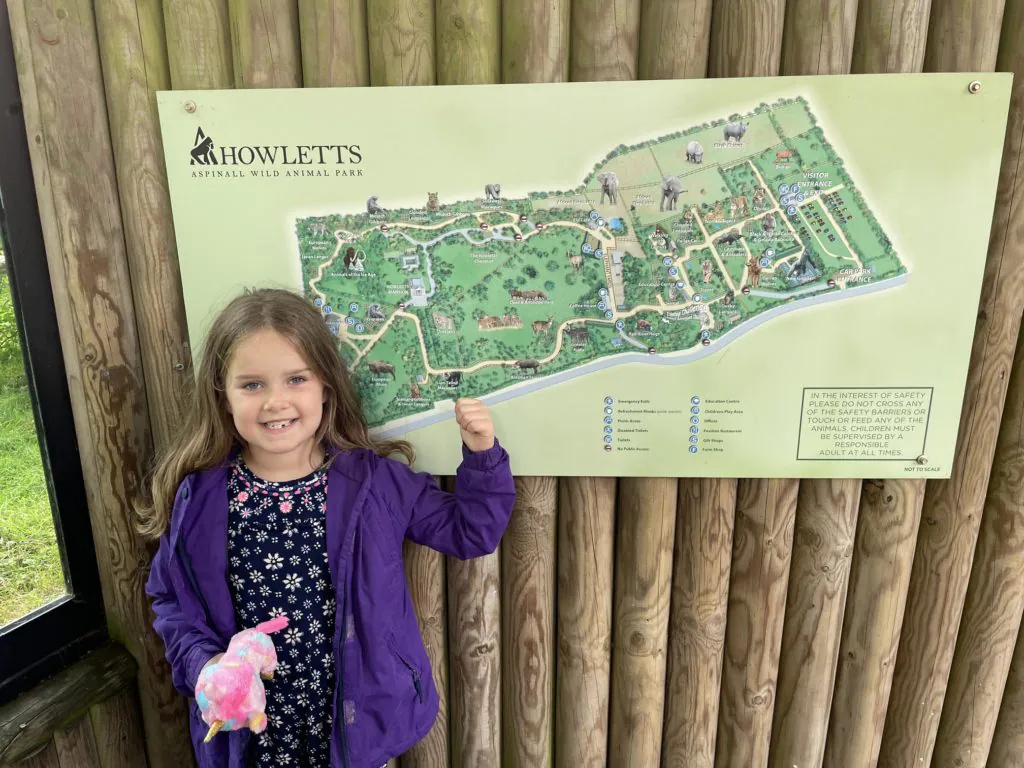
190 106
922 460
974 86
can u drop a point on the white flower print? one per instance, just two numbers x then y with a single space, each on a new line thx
288 709
292 599
292 581
294 560
300 667
283 668
264 590
245 552
284 758
314 625
255 577
237 582
261 536
297 614
305 549
292 635
289 544
273 561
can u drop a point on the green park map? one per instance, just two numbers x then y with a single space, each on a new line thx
668 249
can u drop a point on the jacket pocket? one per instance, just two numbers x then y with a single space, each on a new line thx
413 670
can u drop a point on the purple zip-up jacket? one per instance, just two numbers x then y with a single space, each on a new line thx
384 699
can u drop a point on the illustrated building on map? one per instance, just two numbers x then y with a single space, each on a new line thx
417 293
411 260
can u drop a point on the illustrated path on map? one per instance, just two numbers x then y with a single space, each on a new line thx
665 252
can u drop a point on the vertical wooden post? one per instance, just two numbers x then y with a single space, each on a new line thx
995 595
89 270
535 50
468 40
674 38
746 41
134 55
333 35
535 41
528 621
586 551
401 42
818 37
643 583
605 40
762 546
265 44
474 586
198 44
696 639
953 508
818 40
890 38
891 35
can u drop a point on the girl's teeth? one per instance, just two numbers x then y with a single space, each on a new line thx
278 424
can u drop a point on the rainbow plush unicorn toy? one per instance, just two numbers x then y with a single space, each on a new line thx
230 692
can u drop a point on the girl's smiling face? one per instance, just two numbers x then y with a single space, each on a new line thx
277 403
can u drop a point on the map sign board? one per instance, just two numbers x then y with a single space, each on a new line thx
755 277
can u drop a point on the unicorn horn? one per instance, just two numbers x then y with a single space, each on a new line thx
214 729
276 623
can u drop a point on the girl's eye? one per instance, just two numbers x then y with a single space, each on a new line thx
250 386
298 380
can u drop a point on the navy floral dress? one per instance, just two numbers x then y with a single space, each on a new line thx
277 564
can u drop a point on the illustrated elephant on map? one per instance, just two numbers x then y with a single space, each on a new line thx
493 191
735 131
373 207
609 185
671 188
694 152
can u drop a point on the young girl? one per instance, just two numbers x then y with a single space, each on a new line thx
275 500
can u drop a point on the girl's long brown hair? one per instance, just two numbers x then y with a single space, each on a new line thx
208 434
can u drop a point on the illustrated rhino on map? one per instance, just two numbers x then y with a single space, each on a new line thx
735 131
609 185
493 191
694 152
671 188
527 365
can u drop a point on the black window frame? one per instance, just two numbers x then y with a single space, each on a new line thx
49 638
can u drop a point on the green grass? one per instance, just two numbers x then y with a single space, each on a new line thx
30 568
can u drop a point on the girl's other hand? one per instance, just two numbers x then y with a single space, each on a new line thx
475 424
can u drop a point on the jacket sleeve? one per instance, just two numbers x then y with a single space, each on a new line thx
465 524
187 645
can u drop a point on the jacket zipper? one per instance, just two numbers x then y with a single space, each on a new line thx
339 703
412 670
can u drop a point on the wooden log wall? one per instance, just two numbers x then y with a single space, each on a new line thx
631 621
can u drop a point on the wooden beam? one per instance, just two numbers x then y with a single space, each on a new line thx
468 40
762 547
746 38
1008 739
134 56
334 44
401 42
890 512
29 722
953 507
696 639
643 585
198 44
674 39
76 745
826 524
891 35
995 594
746 41
528 576
90 275
117 728
586 551
605 38
44 758
535 41
265 45
818 40
818 37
